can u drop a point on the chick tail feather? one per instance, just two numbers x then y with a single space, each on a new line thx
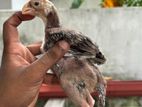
99 59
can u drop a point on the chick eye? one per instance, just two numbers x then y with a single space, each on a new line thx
36 3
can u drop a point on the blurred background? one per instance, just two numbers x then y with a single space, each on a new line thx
115 25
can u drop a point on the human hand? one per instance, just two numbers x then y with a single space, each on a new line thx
21 74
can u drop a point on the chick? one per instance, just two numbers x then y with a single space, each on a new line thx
76 71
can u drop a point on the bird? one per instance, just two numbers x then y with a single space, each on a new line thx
77 71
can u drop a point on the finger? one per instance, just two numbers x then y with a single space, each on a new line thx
35 48
10 33
40 66
50 79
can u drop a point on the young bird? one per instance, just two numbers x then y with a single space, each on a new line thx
76 71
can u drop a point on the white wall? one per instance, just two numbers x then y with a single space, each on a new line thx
118 32
11 4
5 4
17 4
67 3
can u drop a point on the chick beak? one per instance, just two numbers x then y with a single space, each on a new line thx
28 10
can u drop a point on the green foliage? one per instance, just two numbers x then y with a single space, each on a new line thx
121 2
133 2
76 4
128 3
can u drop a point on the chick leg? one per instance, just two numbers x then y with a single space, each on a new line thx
101 89
78 95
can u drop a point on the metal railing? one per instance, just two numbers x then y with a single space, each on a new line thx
114 89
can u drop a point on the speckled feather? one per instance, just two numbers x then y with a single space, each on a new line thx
81 45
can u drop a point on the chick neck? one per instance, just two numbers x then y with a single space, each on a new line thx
52 19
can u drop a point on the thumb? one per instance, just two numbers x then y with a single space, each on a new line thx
40 66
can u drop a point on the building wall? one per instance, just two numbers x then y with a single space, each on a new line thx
18 5
5 4
118 32
67 3
14 5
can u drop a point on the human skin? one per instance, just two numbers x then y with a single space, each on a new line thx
21 73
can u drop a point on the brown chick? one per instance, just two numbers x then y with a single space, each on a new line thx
79 79
76 71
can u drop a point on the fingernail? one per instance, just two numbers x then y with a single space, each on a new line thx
64 45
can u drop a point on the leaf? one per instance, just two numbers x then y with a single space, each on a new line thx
76 4
133 3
